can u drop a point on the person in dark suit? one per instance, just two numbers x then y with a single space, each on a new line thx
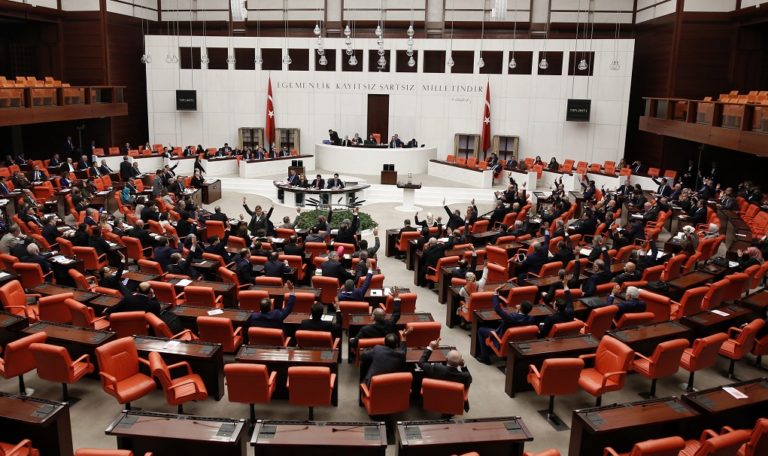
50 232
316 322
163 252
347 229
104 169
276 268
4 190
293 247
36 175
259 218
346 142
318 183
218 246
563 313
218 215
371 141
126 170
508 320
335 182
93 170
629 274
143 300
141 234
381 325
114 257
632 303
453 370
601 273
350 293
333 268
80 238
536 259
385 359
432 252
82 164
699 213
395 142
150 212
182 266
293 178
113 281
334 137
243 267
268 318
33 256
69 147
664 188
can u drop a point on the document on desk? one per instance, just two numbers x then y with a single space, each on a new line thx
376 293
734 392
183 282
328 317
215 312
720 312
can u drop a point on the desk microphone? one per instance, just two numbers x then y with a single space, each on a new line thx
351 428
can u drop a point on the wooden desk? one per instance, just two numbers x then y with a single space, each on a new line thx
205 358
78 341
211 191
357 321
279 359
136 276
46 423
546 282
168 434
10 325
622 425
103 302
645 338
381 295
188 316
757 302
454 301
225 289
278 438
691 280
293 321
492 436
522 354
482 239
705 323
719 407
390 246
481 318
278 293
48 289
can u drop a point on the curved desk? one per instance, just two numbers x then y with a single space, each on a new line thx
295 196
369 160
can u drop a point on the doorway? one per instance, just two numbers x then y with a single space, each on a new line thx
378 116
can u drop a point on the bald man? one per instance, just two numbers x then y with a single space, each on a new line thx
141 301
452 371
382 325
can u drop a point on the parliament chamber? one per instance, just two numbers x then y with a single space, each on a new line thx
487 227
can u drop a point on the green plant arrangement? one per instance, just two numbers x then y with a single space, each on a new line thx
309 219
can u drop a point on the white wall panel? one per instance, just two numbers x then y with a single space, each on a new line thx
80 5
530 106
710 5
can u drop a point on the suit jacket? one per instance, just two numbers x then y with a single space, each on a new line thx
36 176
276 269
333 268
629 306
381 329
317 325
136 303
273 318
383 360
443 372
293 180
332 182
105 169
126 171
357 294
318 183
558 317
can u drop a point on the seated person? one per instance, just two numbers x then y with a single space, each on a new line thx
563 313
316 322
521 317
269 318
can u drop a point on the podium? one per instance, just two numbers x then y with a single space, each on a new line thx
389 178
409 197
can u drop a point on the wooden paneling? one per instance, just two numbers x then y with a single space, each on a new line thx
704 59
83 50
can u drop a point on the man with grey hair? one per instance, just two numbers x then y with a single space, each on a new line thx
333 268
713 231
33 256
453 370
631 304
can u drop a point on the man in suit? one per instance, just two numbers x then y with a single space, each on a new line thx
632 304
371 141
143 300
259 218
350 293
521 317
385 359
30 215
346 142
141 234
163 252
698 214
104 169
536 259
335 182
629 274
453 370
347 229
157 183
4 190
126 170
126 148
395 142
276 268
69 147
563 313
219 216
381 325
333 268
334 137
82 164
268 318
293 178
293 247
50 232
243 267
36 175
94 171
316 322
432 252
55 161
318 183
226 150
664 188
33 256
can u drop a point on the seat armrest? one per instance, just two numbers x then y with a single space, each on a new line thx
238 331
495 336
185 383
272 378
181 364
733 330
110 379
707 434
287 342
366 391
143 361
183 333
608 375
610 452
533 370
640 355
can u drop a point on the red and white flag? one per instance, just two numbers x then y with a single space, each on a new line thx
269 126
485 136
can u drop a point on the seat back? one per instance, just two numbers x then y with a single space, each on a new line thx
405 239
665 360
18 358
737 283
214 228
668 446
746 338
407 303
352 307
82 315
133 248
443 396
328 286
54 308
247 383
600 320
692 300
13 298
200 296
480 300
218 330
251 300
519 294
266 336
53 362
159 328
303 303
119 359
89 257
635 319
164 292
127 324
31 274
674 267
658 304
390 393
229 276
560 376
613 356
309 385
570 328
758 442
724 444
422 333
704 351
81 282
318 339
160 371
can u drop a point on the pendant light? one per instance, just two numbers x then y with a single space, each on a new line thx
512 61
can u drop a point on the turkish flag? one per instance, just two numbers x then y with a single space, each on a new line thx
269 126
485 136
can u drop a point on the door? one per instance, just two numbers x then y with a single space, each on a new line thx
378 116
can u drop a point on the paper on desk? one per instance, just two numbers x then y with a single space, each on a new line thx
445 239
387 291
183 282
376 293
215 312
720 312
328 317
734 392
172 344
585 252
732 264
